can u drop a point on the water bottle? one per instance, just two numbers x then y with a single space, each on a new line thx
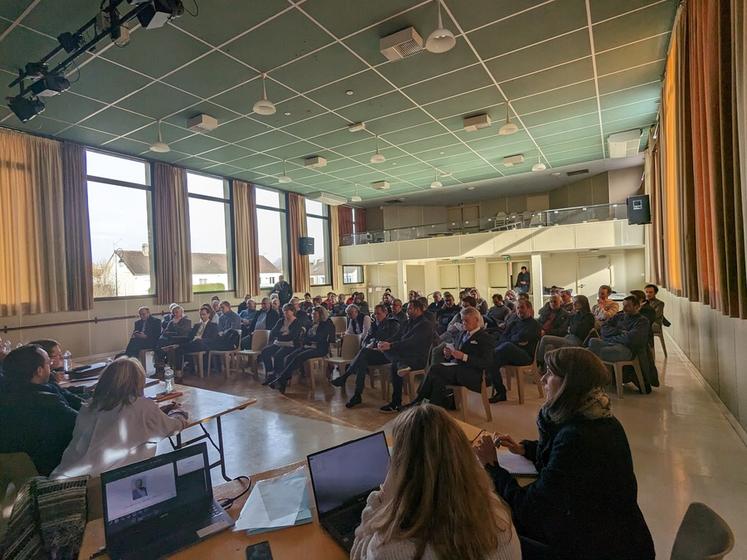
168 378
66 360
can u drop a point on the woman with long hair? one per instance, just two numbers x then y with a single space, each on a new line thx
583 505
119 425
436 501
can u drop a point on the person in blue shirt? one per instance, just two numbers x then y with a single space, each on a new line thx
229 329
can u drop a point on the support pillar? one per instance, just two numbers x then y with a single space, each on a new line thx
536 273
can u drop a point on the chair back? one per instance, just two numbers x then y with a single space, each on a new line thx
703 535
260 339
351 343
341 324
17 469
593 333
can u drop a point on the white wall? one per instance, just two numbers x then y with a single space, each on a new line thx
624 183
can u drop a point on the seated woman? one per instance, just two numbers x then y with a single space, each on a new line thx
436 501
580 324
340 307
175 333
315 345
199 339
583 505
57 369
358 323
119 425
285 337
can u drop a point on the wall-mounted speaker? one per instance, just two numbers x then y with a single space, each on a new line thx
306 245
639 210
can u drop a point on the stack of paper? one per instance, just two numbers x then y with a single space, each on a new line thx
516 464
275 503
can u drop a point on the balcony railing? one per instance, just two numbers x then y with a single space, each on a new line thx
499 222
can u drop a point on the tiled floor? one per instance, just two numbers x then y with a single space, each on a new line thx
684 447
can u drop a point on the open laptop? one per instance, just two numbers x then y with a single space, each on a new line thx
342 478
160 505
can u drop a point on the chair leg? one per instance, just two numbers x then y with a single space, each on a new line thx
200 366
508 381
519 386
639 375
312 370
663 344
460 400
486 403
618 380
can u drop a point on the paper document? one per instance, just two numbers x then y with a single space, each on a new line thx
515 464
275 503
448 363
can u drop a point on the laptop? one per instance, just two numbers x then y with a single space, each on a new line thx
160 505
342 478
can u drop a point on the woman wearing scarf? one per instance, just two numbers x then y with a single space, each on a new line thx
583 505
285 337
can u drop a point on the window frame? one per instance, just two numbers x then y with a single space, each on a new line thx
362 274
287 271
327 240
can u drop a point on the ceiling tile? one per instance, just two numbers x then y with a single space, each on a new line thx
106 81
364 146
384 125
196 144
414 133
197 163
254 161
169 133
567 135
238 129
574 109
588 137
300 109
566 74
70 107
222 115
484 99
241 98
127 146
295 150
221 20
37 125
605 9
340 138
115 121
11 9
650 72
390 152
566 124
210 75
636 121
577 157
529 27
576 145
621 58
318 69
560 96
363 85
343 17
269 140
631 110
22 45
45 16
467 79
655 19
440 141
383 105
631 95
427 65
86 135
158 100
285 38
318 125
224 170
476 13
227 153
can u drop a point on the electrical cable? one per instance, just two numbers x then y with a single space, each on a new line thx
228 502
197 9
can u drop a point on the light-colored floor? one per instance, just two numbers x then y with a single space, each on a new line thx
684 447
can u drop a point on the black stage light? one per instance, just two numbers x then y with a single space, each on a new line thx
71 42
49 85
158 12
25 109
34 69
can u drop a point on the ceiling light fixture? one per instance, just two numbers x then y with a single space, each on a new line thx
436 184
377 157
508 128
356 197
264 106
284 177
539 166
441 40
160 146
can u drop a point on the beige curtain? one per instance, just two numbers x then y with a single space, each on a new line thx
173 249
301 283
245 226
739 113
33 276
334 248
77 228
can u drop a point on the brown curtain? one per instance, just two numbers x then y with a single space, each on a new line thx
173 250
334 247
345 218
33 277
360 220
301 282
245 227
77 228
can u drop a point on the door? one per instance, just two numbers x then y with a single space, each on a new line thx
592 273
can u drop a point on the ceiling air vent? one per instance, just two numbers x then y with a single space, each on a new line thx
624 144
380 185
401 44
577 172
327 198
394 201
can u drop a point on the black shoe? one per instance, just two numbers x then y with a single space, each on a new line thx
354 400
269 379
280 385
497 397
339 381
412 403
390 408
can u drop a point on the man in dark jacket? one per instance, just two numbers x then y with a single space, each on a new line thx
265 319
464 362
553 319
384 329
409 350
438 303
283 290
515 347
36 419
145 334
398 313
446 313
624 335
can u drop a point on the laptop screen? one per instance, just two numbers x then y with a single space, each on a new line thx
343 473
155 487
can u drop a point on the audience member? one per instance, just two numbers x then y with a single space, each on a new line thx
480 304
435 501
329 303
623 335
357 322
409 350
523 281
283 290
605 308
429 315
229 329
276 305
583 505
387 300
464 363
437 303
315 345
359 300
301 315
340 306
568 304
215 304
166 317
499 312
656 304
509 300
454 328
553 319
515 347
36 419
57 370
397 311
385 328
307 305
119 425
579 326
285 336
175 333
201 337
144 335
265 319
249 312
244 304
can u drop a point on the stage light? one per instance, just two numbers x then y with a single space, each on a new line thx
49 85
25 109
158 12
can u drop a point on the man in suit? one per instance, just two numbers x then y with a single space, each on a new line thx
265 319
283 290
384 329
144 335
464 362
409 350
656 304
229 328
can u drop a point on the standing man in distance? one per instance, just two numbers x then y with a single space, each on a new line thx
523 281
283 290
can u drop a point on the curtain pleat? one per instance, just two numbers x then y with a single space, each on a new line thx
33 271
345 218
334 249
739 114
172 235
77 228
301 282
245 224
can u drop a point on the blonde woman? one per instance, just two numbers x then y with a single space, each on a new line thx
119 425
436 502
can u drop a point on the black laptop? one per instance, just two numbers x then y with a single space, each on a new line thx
342 478
160 505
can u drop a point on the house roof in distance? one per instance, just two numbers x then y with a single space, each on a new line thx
202 263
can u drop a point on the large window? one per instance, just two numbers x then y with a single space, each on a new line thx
119 208
352 274
210 227
317 226
272 236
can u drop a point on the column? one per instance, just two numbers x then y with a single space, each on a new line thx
402 280
536 272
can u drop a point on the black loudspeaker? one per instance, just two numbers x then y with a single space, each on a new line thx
306 245
639 210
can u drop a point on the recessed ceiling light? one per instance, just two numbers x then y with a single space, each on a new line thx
377 157
264 106
287 113
159 146
470 188
355 198
508 128
555 173
442 153
441 39
394 163
349 92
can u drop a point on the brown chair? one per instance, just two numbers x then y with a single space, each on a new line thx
17 469
460 399
618 368
351 343
523 371
259 341
703 535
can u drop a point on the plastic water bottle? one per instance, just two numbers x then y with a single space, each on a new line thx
168 378
66 360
